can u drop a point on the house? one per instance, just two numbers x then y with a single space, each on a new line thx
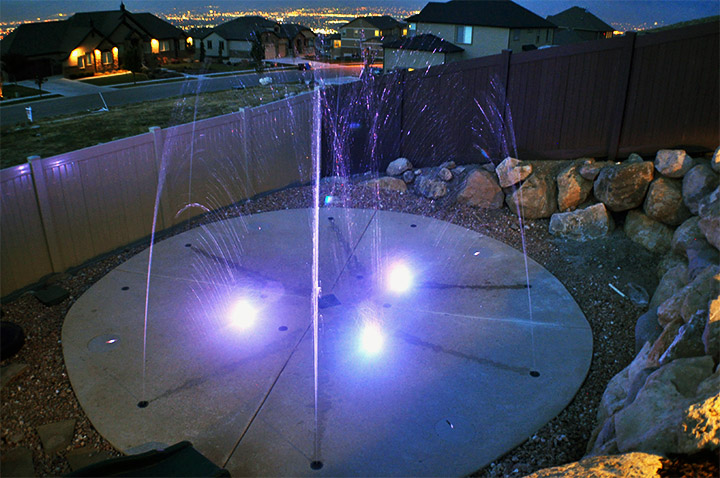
233 41
425 49
89 43
479 27
577 24
328 46
364 35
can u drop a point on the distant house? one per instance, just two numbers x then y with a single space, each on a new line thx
328 46
577 24
423 50
88 43
233 40
365 35
479 27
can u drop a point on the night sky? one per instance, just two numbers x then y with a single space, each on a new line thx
612 11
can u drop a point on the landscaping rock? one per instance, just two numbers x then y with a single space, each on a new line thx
664 202
649 233
711 334
593 222
387 182
408 176
634 158
715 161
673 280
698 183
56 436
430 188
10 372
17 462
481 189
399 166
673 163
653 421
535 198
701 255
445 174
664 340
637 294
685 235
511 171
647 329
709 211
691 298
81 457
448 165
573 189
669 261
590 169
623 186
628 465
688 341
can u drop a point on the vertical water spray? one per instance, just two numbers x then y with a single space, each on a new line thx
316 162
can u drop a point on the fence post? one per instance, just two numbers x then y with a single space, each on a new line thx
43 202
164 219
618 114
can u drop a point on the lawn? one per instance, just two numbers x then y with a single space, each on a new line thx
52 136
109 80
201 68
10 92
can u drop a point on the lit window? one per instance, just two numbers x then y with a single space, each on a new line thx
81 62
405 32
336 43
165 45
107 57
377 33
89 60
463 34
412 29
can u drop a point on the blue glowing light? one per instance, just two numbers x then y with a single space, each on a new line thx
329 200
399 278
242 314
372 339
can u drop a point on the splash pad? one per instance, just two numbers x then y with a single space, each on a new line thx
430 362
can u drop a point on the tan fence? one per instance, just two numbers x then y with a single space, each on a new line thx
62 211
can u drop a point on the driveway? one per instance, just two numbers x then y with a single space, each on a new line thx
57 85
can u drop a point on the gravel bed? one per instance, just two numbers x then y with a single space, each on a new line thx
42 393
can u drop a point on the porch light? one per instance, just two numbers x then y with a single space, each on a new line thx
75 54
189 41
155 46
115 53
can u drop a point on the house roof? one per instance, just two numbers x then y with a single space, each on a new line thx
291 30
487 13
577 18
424 42
383 22
46 38
244 28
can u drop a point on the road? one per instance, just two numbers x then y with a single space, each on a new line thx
13 114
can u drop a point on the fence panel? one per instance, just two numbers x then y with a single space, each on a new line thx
279 143
449 111
203 165
674 97
96 199
24 255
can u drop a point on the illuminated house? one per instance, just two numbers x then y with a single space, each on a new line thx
88 43
577 24
479 27
365 35
233 41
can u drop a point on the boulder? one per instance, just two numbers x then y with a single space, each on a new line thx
709 211
448 165
673 163
445 174
399 166
649 233
701 255
634 158
670 283
669 261
593 222
663 342
573 189
647 329
691 298
715 161
711 334
430 188
685 235
590 169
535 198
628 465
481 189
668 415
408 176
623 186
511 171
387 182
698 183
688 341
664 202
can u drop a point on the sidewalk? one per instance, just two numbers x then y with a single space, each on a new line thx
63 86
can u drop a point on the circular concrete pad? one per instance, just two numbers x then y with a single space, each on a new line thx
435 357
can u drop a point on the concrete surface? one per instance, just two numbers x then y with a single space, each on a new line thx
466 371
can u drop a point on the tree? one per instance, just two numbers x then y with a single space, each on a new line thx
39 80
132 60
257 51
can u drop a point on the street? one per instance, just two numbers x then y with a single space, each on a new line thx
13 114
